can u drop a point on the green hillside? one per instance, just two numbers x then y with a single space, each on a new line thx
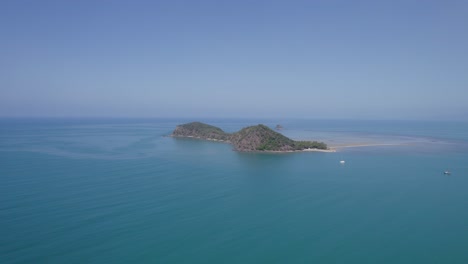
252 138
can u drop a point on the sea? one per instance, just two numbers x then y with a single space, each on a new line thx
103 190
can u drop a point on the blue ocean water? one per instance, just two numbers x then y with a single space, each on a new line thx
120 191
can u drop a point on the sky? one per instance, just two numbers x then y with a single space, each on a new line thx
299 59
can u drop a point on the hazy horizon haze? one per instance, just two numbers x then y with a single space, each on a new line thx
301 59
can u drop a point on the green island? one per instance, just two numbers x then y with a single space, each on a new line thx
259 138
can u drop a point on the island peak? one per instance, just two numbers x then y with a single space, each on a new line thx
249 139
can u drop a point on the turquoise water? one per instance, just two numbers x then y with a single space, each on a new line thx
119 191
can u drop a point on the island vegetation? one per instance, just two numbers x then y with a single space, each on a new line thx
248 139
201 131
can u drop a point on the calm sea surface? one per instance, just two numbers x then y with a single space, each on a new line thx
119 191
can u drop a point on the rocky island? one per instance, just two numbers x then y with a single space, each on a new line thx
249 139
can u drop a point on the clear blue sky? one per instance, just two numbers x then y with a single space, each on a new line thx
305 59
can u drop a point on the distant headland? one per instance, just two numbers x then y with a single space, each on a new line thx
259 138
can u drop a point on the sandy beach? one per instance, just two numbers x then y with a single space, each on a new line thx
319 150
366 145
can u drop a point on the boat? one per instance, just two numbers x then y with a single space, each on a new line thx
342 162
447 172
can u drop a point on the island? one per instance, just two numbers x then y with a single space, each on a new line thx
259 138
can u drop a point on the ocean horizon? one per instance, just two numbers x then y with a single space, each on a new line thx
112 190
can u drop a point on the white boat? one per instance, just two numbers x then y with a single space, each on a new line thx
342 162
447 172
